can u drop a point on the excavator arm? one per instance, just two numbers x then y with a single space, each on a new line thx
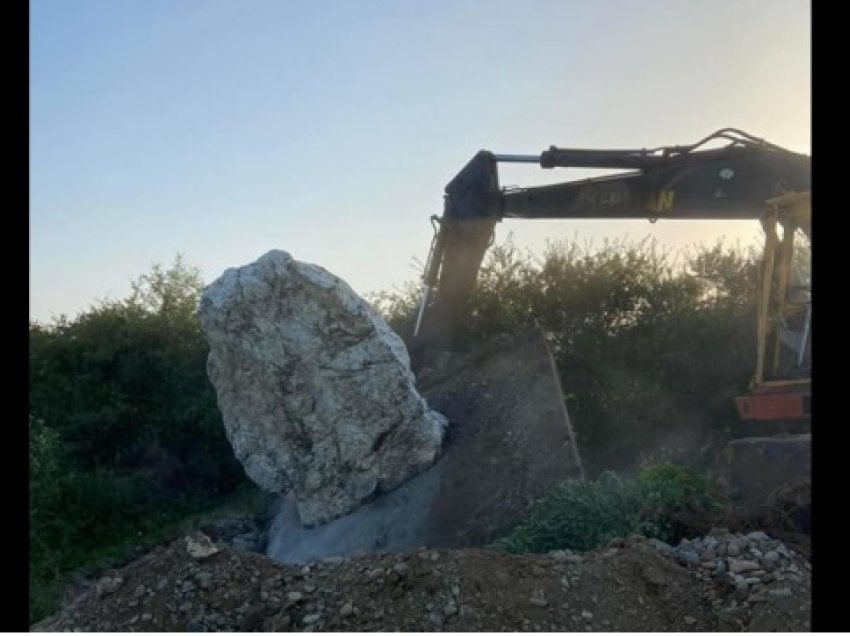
675 182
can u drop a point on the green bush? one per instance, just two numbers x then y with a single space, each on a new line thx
125 386
125 432
585 515
651 350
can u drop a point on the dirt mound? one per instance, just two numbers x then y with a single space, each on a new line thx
193 585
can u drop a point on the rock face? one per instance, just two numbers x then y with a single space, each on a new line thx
315 389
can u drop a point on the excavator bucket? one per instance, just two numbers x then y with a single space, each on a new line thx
759 469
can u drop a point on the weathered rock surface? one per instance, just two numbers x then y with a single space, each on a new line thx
315 388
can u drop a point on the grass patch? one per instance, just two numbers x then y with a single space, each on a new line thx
585 515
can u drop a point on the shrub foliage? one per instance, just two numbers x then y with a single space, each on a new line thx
651 349
125 433
585 515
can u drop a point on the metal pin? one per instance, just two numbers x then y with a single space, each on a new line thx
517 158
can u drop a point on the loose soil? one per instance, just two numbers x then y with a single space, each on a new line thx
628 586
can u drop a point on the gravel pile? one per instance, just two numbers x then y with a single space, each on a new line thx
739 572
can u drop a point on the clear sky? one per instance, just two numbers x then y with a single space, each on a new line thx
225 128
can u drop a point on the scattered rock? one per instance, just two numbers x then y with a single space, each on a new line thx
538 599
200 546
309 619
401 569
687 557
108 585
740 565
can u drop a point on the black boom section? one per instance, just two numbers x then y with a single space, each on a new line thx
474 192
465 232
676 182
725 184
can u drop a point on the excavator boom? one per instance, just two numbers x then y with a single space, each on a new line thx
746 179
675 182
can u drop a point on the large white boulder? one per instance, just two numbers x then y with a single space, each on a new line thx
314 387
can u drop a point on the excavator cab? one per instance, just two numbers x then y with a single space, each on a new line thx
781 385
770 459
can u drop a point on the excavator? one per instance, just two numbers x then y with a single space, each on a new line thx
744 178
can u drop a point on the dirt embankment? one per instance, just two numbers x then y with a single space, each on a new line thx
629 586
